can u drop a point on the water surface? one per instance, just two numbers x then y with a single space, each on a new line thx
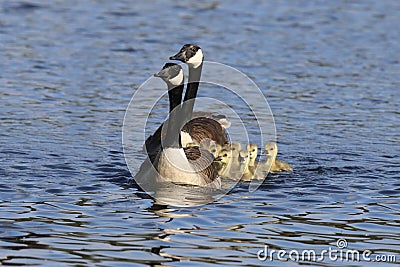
68 69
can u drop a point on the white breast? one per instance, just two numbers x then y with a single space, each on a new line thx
173 166
185 138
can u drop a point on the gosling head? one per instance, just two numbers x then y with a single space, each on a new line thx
244 157
214 149
190 54
271 149
252 149
235 147
172 74
225 156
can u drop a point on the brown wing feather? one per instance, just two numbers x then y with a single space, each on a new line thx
201 128
202 162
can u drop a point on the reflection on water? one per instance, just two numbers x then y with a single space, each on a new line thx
68 69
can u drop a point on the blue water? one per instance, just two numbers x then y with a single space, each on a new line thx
68 69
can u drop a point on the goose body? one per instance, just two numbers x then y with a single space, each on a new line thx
280 166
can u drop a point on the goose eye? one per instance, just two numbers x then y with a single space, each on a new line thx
254 150
225 155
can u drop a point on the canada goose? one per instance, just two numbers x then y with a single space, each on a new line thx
245 173
235 148
225 160
277 165
200 128
271 164
192 165
252 149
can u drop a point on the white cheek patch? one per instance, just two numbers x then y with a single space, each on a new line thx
178 79
196 60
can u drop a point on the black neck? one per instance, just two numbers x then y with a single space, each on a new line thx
191 92
175 95
172 137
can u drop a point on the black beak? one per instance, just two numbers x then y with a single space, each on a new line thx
180 56
161 74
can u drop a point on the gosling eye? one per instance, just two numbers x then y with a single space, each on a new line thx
225 155
254 150
213 150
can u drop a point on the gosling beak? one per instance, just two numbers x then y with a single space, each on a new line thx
218 159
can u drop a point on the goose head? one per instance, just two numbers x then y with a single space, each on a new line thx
172 74
271 149
190 54
224 156
252 149
235 147
214 149
244 157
